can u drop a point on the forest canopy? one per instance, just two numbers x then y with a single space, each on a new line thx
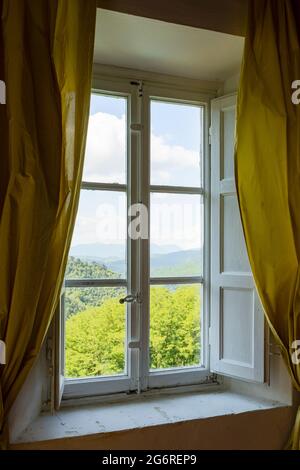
95 327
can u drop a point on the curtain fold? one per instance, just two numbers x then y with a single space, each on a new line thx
46 61
267 165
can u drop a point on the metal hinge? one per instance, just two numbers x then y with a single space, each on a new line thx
209 335
139 84
211 378
209 135
277 351
49 356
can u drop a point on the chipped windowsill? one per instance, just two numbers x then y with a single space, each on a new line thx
146 411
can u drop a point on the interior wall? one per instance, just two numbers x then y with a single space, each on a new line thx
31 398
231 84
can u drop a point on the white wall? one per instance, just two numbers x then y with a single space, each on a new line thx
230 85
31 398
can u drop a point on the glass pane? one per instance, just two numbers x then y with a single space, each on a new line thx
176 233
175 319
176 144
98 249
95 331
106 146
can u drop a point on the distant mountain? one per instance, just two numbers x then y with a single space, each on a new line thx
179 263
165 260
100 251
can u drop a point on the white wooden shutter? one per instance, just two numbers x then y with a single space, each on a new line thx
237 321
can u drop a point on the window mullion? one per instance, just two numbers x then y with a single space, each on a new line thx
176 280
95 282
133 309
176 189
91 185
144 252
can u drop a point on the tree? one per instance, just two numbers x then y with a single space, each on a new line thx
78 299
95 337
175 327
95 341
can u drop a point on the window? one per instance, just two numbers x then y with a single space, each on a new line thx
145 262
96 324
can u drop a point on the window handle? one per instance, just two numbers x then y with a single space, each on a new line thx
130 298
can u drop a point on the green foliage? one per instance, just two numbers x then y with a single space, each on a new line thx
95 341
78 298
95 337
78 269
175 327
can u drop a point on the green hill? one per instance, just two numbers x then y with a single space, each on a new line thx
78 299
95 325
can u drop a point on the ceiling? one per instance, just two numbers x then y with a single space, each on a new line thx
226 16
156 46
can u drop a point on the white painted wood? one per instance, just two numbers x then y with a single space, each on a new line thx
237 321
59 353
176 189
205 89
176 376
96 386
83 387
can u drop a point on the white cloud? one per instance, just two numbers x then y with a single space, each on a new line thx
106 151
85 230
105 162
107 227
173 164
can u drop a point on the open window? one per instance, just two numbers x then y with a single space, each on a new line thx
134 307
158 289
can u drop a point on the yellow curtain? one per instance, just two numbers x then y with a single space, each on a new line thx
267 164
47 63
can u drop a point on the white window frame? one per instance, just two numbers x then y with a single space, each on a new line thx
94 386
187 375
138 151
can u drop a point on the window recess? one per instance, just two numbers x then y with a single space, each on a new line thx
178 305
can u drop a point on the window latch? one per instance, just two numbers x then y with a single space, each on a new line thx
136 127
130 298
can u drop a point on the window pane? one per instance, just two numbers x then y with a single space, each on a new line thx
95 331
176 144
175 313
106 147
176 235
98 249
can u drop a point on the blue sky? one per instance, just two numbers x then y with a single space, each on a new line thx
175 157
105 104
179 123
